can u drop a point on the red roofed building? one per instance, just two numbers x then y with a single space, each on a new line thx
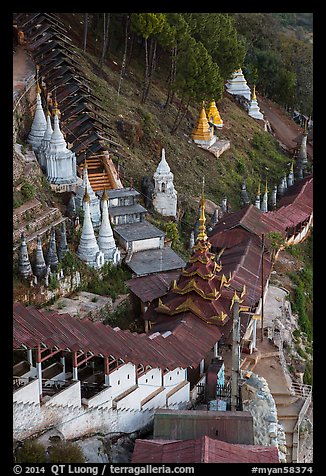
201 450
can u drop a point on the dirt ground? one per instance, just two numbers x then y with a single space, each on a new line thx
23 67
285 129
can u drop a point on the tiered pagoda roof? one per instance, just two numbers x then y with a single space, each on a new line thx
202 288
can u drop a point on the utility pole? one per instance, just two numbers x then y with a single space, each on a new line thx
235 354
262 287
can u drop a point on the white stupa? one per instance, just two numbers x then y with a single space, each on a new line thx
88 249
60 161
165 195
106 241
94 204
253 109
238 85
45 142
39 122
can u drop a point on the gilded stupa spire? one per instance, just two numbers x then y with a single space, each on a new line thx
258 190
202 219
202 130
86 197
266 189
38 89
55 109
254 97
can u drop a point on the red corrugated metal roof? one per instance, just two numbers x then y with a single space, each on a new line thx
153 286
201 450
188 343
296 205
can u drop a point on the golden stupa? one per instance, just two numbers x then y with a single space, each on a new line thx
214 115
202 131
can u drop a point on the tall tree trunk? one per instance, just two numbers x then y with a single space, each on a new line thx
177 117
172 76
123 66
180 117
85 31
130 50
151 69
106 23
146 71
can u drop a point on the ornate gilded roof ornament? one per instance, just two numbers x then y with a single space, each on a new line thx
266 189
202 219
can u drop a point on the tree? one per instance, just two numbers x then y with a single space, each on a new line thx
106 24
85 31
66 452
31 452
198 78
147 25
176 37
218 34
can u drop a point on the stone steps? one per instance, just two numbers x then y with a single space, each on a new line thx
41 222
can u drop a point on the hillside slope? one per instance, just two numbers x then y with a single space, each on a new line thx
143 129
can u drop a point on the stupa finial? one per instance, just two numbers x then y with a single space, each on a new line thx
55 110
38 89
202 219
254 97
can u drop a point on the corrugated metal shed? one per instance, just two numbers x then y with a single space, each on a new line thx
201 450
232 427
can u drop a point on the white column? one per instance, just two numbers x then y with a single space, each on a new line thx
30 357
63 362
107 380
216 349
75 373
202 366
254 334
39 376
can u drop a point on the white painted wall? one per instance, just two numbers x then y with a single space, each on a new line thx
149 244
122 378
181 396
174 377
133 400
69 396
151 377
159 401
28 393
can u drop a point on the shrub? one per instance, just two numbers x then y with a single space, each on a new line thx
28 190
31 452
66 452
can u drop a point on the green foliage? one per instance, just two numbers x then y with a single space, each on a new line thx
308 373
109 282
120 317
53 282
147 24
277 240
28 190
31 452
217 32
66 452
172 231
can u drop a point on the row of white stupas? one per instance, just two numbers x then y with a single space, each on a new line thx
238 85
50 147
